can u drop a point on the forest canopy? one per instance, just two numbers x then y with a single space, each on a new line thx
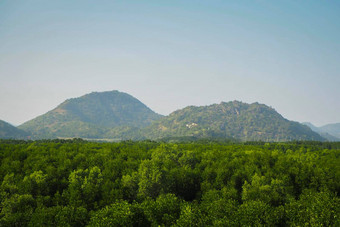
147 183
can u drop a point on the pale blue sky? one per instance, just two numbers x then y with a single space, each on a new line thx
170 54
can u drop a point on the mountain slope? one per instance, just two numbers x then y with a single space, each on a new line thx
230 120
92 116
8 131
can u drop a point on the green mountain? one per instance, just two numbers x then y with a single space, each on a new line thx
8 131
235 120
97 115
327 131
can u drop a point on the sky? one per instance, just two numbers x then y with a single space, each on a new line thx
171 54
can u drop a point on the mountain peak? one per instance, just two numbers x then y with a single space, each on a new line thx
98 112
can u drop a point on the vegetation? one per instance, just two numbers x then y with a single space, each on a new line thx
201 183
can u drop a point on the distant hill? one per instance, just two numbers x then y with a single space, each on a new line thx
331 132
8 131
234 120
95 115
333 129
311 126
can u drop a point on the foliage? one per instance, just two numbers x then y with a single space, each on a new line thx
147 183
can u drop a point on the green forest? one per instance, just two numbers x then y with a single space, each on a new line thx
148 183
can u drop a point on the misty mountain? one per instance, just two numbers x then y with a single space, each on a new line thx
8 131
331 132
95 115
333 129
235 120
311 126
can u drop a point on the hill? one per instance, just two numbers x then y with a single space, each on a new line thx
8 131
95 115
311 126
235 120
328 131
333 129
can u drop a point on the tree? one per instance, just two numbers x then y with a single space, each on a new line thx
84 188
165 210
17 210
314 209
119 214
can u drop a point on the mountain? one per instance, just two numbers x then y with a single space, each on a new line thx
333 129
116 115
311 126
95 115
234 120
8 131
331 132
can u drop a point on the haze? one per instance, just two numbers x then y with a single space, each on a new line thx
284 54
